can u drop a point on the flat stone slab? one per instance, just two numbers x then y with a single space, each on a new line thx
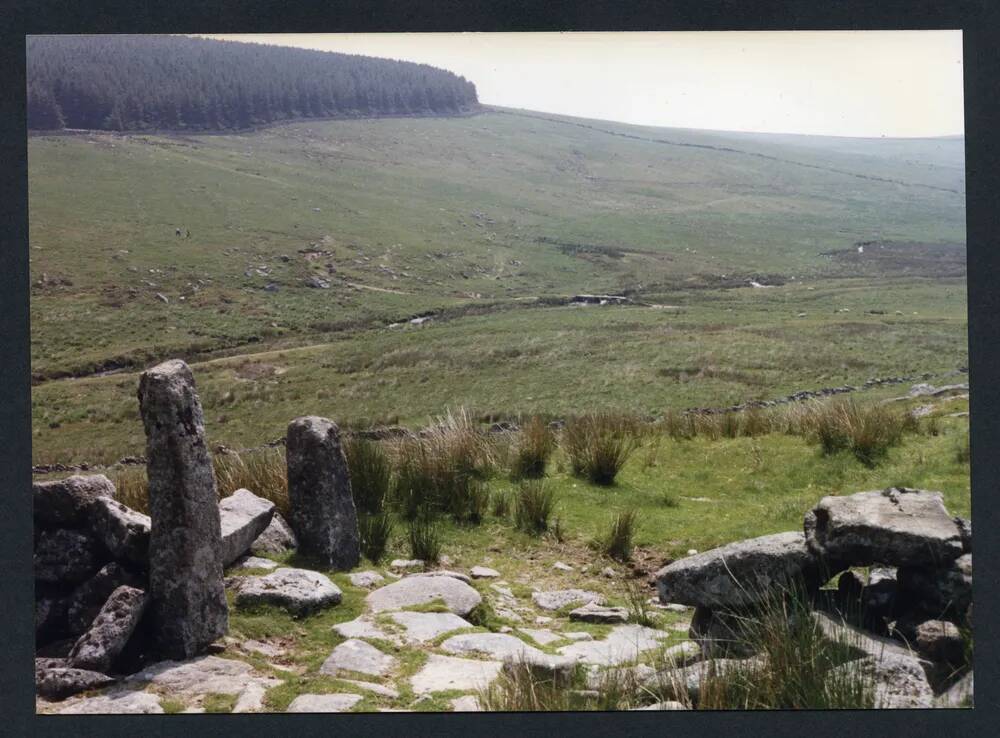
426 626
896 526
299 591
366 579
58 682
324 702
64 502
200 676
507 648
593 613
483 572
243 516
362 627
623 644
115 701
443 573
458 596
443 673
542 636
407 564
560 598
738 573
356 655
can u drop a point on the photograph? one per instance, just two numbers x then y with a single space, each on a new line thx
499 372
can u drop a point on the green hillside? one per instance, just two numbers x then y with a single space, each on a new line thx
483 221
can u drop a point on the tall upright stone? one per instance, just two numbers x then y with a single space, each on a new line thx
319 490
187 600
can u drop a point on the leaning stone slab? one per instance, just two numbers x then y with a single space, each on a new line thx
738 573
458 596
324 702
300 591
123 531
900 681
98 648
64 502
58 683
426 626
896 526
960 694
445 673
64 556
869 644
560 598
187 599
319 489
355 655
593 613
277 538
243 516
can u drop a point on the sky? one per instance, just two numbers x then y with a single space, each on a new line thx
837 83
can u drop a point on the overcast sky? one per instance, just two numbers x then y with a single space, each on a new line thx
842 83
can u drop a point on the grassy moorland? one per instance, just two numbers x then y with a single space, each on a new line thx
487 224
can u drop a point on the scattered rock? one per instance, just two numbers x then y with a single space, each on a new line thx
458 596
560 566
896 526
300 591
511 650
263 648
64 502
406 564
608 572
187 599
98 648
243 516
484 572
355 655
373 687
900 681
366 579
592 613
577 636
115 701
319 490
324 702
255 562
446 673
736 574
939 640
960 694
123 531
57 683
199 676
277 538
623 645
541 636
943 590
560 598
687 680
443 573
426 626
466 703
65 556
251 699
362 627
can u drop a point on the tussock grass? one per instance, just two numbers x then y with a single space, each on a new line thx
532 450
500 503
533 507
132 487
425 541
637 602
617 540
520 688
867 431
370 472
599 445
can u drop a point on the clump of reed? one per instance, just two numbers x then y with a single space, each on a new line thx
599 445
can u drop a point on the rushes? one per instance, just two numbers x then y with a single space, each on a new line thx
262 472
425 541
533 506
533 449
370 474
868 432
375 531
598 446
131 488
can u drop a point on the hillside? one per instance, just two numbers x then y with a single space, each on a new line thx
321 234
126 83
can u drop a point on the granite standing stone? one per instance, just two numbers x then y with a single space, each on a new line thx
187 598
319 489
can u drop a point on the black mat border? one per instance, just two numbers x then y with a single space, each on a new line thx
979 21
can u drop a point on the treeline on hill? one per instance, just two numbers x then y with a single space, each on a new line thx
124 83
